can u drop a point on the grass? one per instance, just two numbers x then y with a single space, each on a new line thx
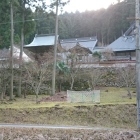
109 95
115 110
113 95
121 116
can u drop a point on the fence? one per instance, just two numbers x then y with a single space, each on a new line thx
83 96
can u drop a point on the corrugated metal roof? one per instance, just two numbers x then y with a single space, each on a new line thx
123 43
42 40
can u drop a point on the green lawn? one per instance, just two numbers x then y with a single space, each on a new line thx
109 95
117 95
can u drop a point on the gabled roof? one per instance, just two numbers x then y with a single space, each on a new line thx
130 29
42 40
123 43
16 54
5 54
75 40
98 49
86 42
80 50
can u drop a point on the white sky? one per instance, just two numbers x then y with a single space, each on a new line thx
83 5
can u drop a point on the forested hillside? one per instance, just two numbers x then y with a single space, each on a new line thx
106 24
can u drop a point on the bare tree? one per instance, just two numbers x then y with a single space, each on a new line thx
4 77
5 71
127 77
74 68
93 76
38 72
107 54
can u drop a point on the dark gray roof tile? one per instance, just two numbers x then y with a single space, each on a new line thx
42 40
123 43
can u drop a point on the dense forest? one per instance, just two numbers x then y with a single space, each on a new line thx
106 24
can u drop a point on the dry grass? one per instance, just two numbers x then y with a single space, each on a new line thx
121 116
53 134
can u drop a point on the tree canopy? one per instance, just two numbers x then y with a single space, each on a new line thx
106 24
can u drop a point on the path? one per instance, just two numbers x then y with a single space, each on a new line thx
39 126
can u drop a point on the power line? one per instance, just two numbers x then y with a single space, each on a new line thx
24 21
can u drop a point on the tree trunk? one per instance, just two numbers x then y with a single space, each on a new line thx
1 96
11 52
59 85
4 91
72 82
25 90
37 97
21 51
129 93
36 92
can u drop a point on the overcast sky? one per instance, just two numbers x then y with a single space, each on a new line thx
83 5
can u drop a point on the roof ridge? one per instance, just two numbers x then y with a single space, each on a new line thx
41 35
78 38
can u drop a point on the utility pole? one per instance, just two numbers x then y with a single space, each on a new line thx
11 50
55 49
137 18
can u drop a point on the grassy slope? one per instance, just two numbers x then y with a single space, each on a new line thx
108 115
113 111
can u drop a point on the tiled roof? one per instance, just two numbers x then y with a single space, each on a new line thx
5 54
42 40
78 39
86 42
123 43
68 45
98 49
130 29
